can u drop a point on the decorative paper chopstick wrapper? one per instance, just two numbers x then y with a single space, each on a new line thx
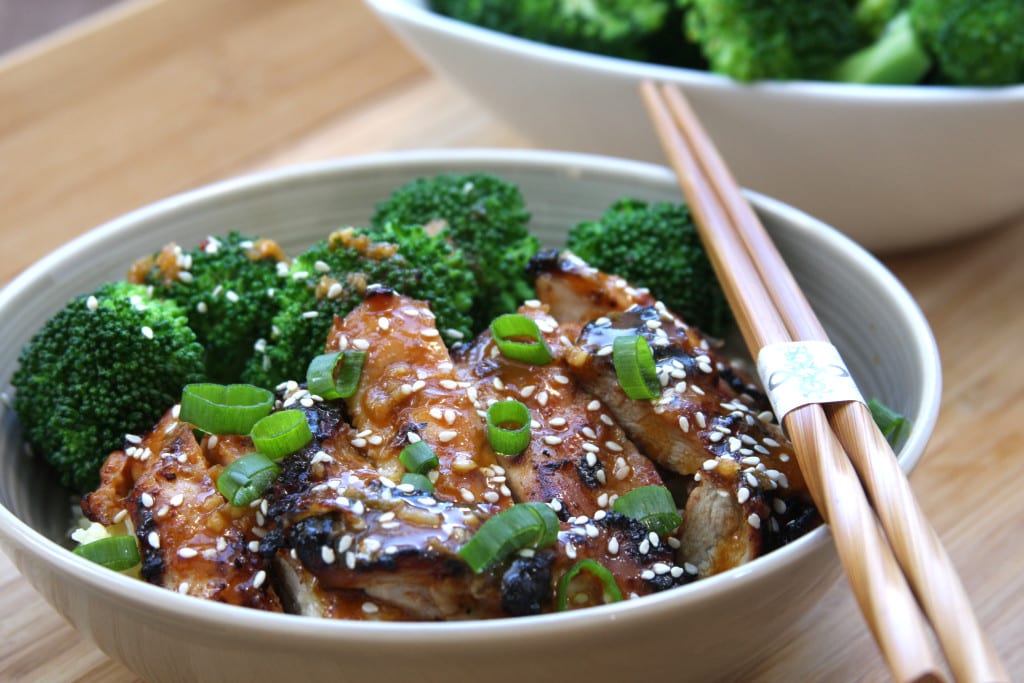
799 373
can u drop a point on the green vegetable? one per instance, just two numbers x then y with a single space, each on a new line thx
107 364
525 525
227 287
873 16
635 368
119 553
656 245
418 481
335 375
896 58
621 28
281 434
752 40
974 42
519 338
224 409
610 591
483 216
331 277
245 479
652 505
508 427
418 458
890 423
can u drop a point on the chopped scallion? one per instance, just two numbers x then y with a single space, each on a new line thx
224 408
245 479
526 525
653 505
114 552
418 458
335 375
282 433
508 427
635 368
610 591
418 482
889 422
519 338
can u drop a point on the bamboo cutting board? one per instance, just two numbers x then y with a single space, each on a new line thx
158 96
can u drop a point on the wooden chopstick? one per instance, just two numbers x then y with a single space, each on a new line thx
915 544
770 308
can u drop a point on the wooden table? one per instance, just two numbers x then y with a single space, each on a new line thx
156 97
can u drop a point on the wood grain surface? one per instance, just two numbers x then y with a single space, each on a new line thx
158 96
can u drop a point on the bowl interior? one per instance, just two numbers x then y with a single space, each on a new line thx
872 319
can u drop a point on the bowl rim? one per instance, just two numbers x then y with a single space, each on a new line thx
426 19
18 535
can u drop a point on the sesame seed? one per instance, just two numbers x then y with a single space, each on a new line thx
254 546
321 267
702 421
743 495
647 575
660 568
187 552
449 384
92 303
359 443
715 437
605 350
384 324
327 554
684 423
779 506
370 608
183 587
450 416
259 579
557 422
542 398
607 420
309 315
552 440
690 568
447 435
613 546
147 331
734 444
153 539
594 405
591 459
467 495
770 442
361 344
412 437
334 290
645 547
350 560
754 520
613 446
561 379
429 332
146 499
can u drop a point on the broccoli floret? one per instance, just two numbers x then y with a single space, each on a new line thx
897 57
330 279
974 43
486 218
619 28
772 39
656 245
107 364
227 288
873 16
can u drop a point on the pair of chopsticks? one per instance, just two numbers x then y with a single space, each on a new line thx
894 560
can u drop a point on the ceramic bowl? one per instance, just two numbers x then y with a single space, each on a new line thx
893 167
164 636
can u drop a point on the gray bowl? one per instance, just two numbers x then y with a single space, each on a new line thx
689 633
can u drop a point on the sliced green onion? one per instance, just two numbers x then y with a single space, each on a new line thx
508 427
115 552
526 525
634 367
224 408
418 482
418 458
245 479
335 375
281 434
889 422
652 505
609 589
510 333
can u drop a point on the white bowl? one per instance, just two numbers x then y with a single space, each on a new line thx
893 167
163 636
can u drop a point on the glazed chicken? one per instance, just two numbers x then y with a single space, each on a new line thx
338 534
709 422
190 538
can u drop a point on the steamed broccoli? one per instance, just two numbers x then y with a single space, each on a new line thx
656 245
897 57
772 39
873 16
331 277
107 364
226 286
620 28
486 218
974 43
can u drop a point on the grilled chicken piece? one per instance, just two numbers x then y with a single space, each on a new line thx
408 392
350 540
577 455
576 291
699 426
578 460
191 539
